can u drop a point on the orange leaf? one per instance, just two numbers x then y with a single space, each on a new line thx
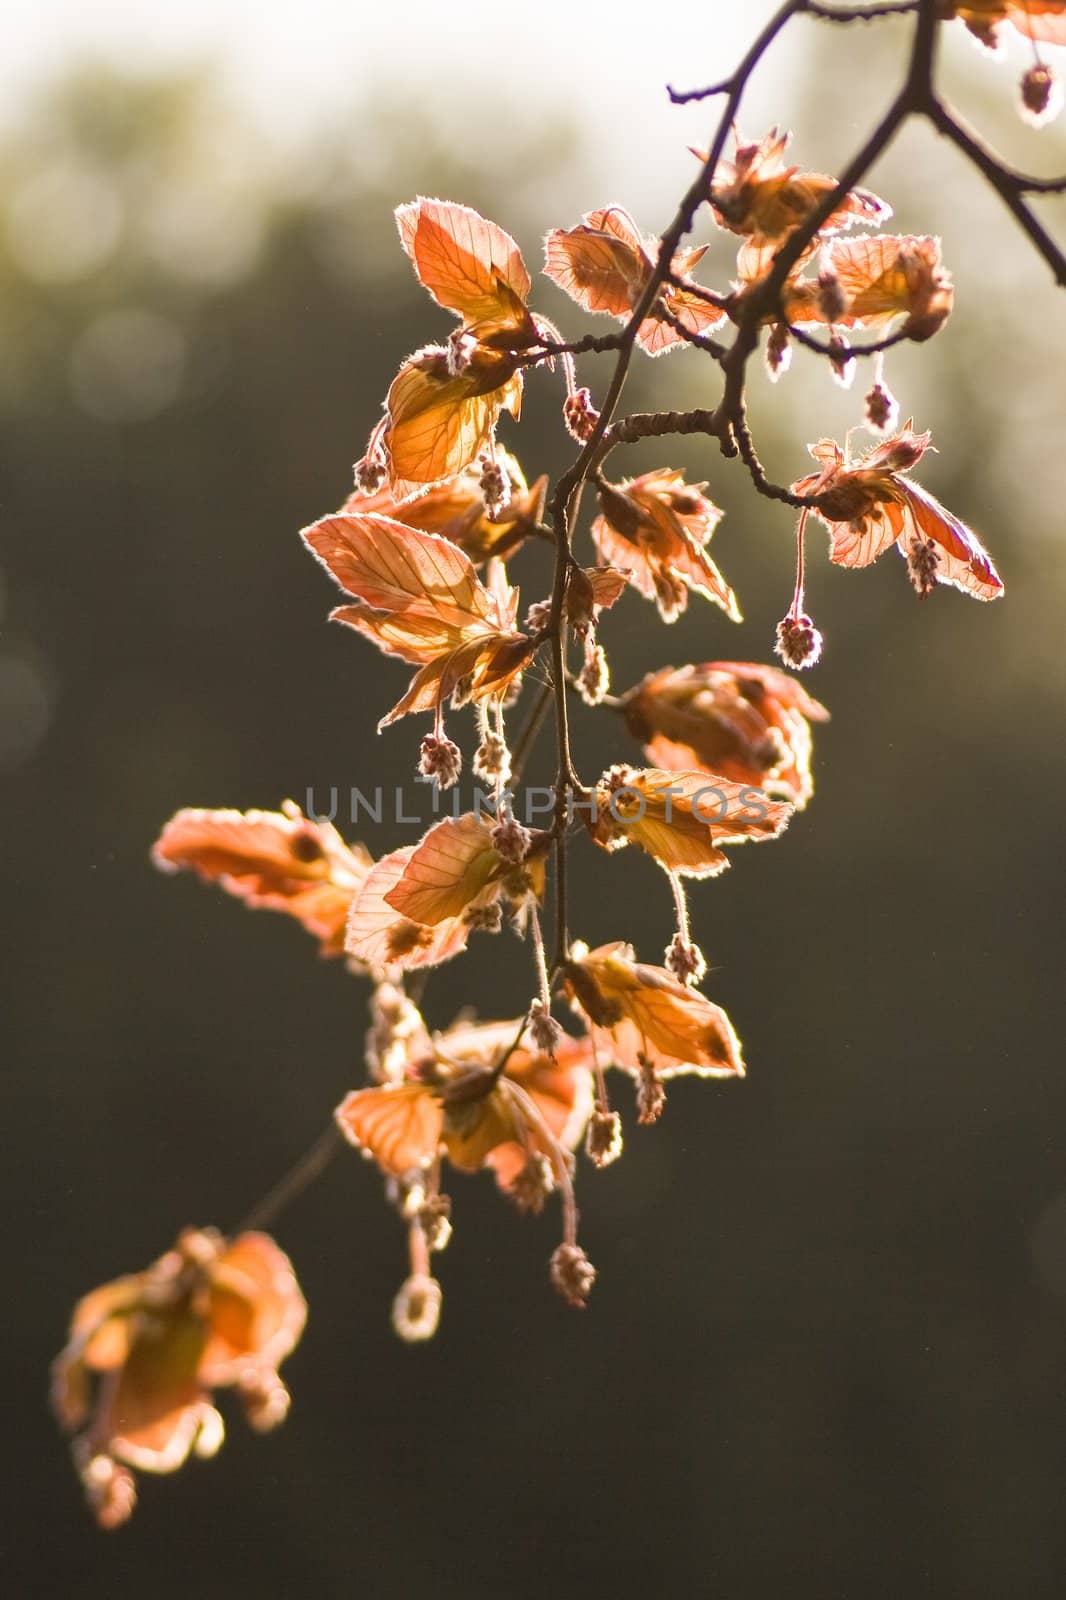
455 509
398 569
272 860
399 1125
870 504
656 527
135 1378
760 195
422 601
889 275
536 1101
485 665
381 938
448 872
639 1013
604 264
961 559
682 819
1041 20
439 423
455 869
744 721
468 264
256 1312
591 590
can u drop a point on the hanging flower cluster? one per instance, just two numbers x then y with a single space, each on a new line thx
421 551
990 22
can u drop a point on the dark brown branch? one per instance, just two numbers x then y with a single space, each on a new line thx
653 424
802 337
736 83
565 501
898 8
698 341
1008 185
745 446
591 344
708 296
1027 185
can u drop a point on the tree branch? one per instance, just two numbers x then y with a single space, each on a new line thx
1008 185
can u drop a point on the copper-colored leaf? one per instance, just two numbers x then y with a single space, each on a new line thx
760 195
656 527
604 264
455 509
380 937
134 1382
1041 20
738 719
422 601
256 1310
399 1125
870 504
448 871
641 1014
468 264
883 276
682 819
272 860
438 420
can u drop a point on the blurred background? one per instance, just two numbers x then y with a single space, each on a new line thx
826 1354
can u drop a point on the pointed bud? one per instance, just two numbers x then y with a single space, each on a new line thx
416 1309
511 840
580 415
492 759
439 758
799 643
544 1028
882 409
923 558
685 960
1041 96
603 1138
572 1275
651 1093
778 351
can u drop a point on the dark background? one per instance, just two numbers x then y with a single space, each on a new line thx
826 1353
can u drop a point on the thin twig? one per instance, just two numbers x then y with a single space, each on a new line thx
897 8
699 341
311 1165
876 348
1006 184
527 736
